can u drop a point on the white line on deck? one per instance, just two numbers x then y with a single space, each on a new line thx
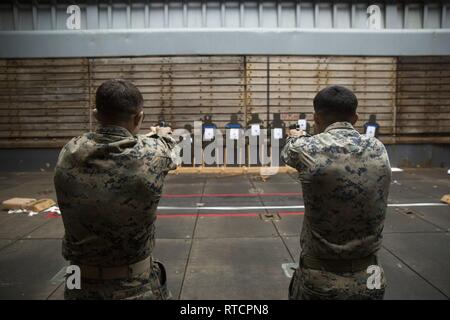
425 204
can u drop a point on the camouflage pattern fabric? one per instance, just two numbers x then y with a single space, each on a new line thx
345 178
108 185
150 285
310 284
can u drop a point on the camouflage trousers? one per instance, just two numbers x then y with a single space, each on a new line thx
311 284
150 285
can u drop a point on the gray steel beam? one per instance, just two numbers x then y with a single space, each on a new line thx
88 43
92 16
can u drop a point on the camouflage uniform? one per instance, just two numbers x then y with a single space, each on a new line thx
108 185
345 179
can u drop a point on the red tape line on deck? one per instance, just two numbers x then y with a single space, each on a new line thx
237 214
295 213
211 195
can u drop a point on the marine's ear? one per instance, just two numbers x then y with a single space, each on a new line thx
316 118
354 118
95 114
138 119
321 122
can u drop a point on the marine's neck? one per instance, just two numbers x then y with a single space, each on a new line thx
131 128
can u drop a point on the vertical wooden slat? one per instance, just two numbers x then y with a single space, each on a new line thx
395 105
91 97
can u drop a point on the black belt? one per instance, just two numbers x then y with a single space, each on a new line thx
342 265
120 272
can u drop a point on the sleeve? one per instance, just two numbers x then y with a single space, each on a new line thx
295 153
168 151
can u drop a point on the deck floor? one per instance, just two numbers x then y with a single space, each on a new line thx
233 253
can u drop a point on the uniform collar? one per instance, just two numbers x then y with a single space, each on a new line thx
114 131
340 125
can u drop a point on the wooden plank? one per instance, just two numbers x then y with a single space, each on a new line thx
36 84
81 104
12 92
426 88
322 74
178 82
423 67
423 109
44 77
171 68
44 112
311 95
39 98
196 110
158 75
416 139
321 59
424 116
424 59
194 103
419 130
424 74
320 67
423 102
47 133
47 119
308 102
437 123
424 95
33 143
190 89
46 69
423 81
358 88
295 108
193 96
321 82
46 62
168 60
43 126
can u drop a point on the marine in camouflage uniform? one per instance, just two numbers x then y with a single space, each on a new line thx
108 185
345 178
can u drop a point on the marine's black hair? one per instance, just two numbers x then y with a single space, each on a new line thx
118 98
336 101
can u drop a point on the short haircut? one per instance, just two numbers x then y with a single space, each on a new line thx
118 98
336 102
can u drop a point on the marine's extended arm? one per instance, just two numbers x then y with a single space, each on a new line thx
291 152
172 149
